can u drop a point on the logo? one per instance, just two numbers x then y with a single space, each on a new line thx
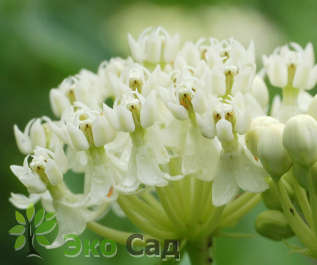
33 230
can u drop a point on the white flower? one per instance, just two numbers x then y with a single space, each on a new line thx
85 87
44 181
133 110
33 135
292 65
82 127
37 133
154 45
293 69
28 178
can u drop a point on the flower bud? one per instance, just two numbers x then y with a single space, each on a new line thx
273 224
300 139
271 151
252 136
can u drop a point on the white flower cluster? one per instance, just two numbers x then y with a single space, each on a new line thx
169 111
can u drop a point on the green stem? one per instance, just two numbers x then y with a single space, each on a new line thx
313 203
302 200
200 252
211 224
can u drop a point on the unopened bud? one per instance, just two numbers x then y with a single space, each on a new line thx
252 136
300 139
271 151
273 224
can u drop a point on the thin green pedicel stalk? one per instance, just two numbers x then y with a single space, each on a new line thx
299 227
113 234
170 210
140 221
235 216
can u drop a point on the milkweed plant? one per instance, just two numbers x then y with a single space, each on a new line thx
180 138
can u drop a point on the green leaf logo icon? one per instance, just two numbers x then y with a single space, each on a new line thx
42 240
39 217
32 229
30 212
49 216
17 230
19 242
46 227
20 218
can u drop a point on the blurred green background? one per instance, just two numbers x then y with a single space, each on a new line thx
44 41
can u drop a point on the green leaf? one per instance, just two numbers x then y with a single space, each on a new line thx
17 230
20 218
30 211
19 243
46 227
42 240
39 217
49 216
